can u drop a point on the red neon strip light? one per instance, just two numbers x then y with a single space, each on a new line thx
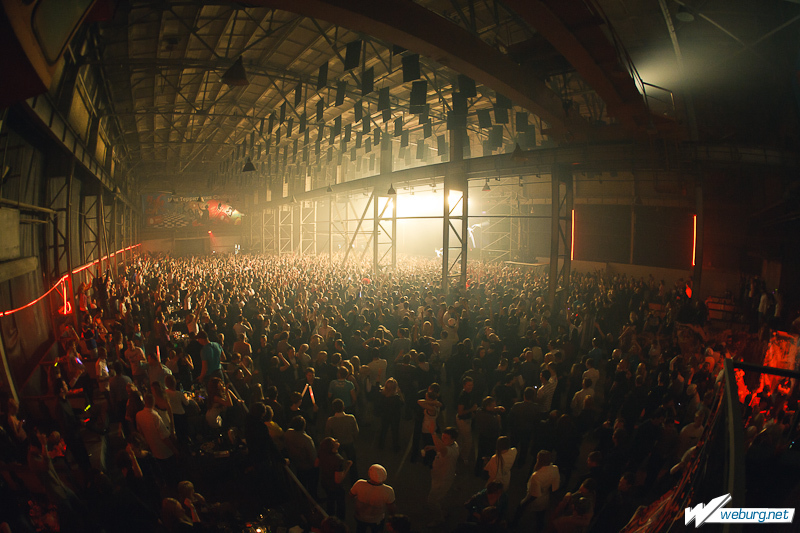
572 239
694 238
59 282
104 258
37 300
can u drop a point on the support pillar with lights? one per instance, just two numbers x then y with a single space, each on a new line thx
561 234
456 209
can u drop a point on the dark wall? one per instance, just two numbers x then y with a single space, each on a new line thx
663 237
602 233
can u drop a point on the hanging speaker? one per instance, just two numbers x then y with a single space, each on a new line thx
320 109
322 76
466 86
419 93
502 101
298 94
411 69
459 104
484 119
341 89
522 122
337 126
383 99
352 55
500 115
367 81
441 145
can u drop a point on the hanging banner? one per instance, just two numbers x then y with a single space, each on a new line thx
168 211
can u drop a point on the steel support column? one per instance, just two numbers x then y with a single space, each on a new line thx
456 192
285 231
500 237
561 234
59 259
269 231
308 227
380 250
384 252
90 232
352 241
103 234
330 229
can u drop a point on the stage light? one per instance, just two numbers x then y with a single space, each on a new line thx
209 232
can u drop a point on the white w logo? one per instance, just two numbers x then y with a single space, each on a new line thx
700 512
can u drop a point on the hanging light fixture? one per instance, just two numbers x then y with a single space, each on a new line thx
329 189
200 199
391 191
293 200
248 166
486 187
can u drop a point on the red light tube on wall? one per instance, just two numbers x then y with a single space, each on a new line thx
694 237
67 308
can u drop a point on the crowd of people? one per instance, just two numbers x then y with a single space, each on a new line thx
284 360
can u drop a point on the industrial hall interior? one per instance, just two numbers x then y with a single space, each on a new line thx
473 266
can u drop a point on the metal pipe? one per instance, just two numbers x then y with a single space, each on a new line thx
27 207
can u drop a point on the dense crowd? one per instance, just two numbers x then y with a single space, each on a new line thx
596 403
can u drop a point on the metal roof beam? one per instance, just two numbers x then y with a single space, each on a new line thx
416 28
